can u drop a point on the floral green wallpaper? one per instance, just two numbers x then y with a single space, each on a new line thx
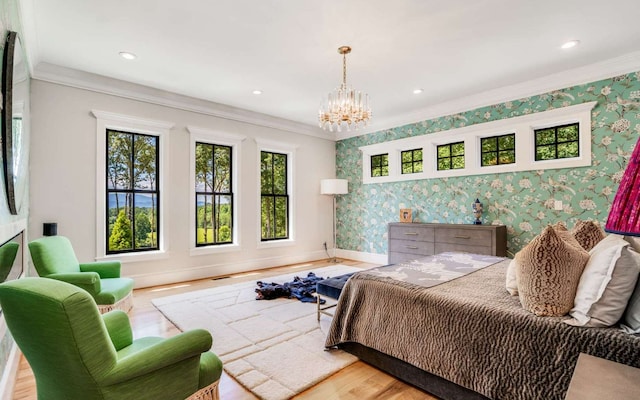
523 201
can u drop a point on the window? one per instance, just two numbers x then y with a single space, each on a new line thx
557 142
132 191
450 156
380 165
214 195
498 150
274 198
411 161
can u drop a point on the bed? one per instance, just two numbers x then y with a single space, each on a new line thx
464 337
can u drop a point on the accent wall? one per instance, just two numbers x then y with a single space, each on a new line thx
523 201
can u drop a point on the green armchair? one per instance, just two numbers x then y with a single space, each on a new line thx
76 353
53 257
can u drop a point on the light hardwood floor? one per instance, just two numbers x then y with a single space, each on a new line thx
358 381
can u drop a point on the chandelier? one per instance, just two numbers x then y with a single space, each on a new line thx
344 106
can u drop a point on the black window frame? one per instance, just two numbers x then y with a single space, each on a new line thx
498 150
275 196
556 142
133 193
384 162
450 157
413 161
215 194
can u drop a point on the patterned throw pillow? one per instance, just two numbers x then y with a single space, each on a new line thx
588 234
548 272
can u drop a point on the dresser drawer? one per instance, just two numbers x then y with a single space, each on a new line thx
395 258
463 248
464 236
411 232
411 246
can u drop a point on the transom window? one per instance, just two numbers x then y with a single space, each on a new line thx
380 165
132 192
498 150
557 142
274 202
411 161
450 156
214 194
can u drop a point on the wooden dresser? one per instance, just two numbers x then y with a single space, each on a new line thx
409 241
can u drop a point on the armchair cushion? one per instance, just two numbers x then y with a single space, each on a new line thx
77 354
106 269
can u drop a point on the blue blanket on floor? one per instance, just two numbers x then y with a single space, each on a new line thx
300 288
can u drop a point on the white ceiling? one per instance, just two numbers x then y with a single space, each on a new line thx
221 50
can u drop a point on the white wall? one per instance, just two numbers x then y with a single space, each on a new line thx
63 187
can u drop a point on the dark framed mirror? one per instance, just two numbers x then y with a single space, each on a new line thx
15 78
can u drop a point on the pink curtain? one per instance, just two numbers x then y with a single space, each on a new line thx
624 217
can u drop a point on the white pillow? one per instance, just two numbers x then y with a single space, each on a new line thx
606 284
512 284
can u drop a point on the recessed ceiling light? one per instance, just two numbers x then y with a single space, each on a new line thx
417 91
570 44
128 56
257 91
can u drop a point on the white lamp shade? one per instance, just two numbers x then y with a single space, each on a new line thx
334 186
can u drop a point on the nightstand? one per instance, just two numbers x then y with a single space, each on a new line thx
596 379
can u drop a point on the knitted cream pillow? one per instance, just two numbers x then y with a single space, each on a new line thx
587 233
548 272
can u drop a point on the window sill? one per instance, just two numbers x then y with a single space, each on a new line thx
136 257
203 251
276 243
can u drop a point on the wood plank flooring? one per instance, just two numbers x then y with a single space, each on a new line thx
358 381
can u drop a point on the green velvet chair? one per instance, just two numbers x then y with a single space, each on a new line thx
76 353
53 257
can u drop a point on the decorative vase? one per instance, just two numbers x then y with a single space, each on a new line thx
477 212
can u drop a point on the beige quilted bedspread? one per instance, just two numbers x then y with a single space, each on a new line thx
472 332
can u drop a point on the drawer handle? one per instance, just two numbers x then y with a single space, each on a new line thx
411 233
411 247
462 237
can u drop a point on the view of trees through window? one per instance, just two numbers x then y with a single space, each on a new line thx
380 165
411 161
214 196
557 142
132 192
450 156
498 150
274 199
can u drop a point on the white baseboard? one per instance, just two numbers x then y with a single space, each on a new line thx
362 256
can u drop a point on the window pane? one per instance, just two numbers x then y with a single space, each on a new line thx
281 217
119 160
146 220
385 171
489 144
546 152
507 157
444 164
376 171
568 133
457 149
144 162
120 229
507 142
568 150
204 219
376 161
266 173
417 166
457 162
489 159
280 174
407 168
545 136
444 151
417 155
407 156
204 167
268 218
223 219
222 169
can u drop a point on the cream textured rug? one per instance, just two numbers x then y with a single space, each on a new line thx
275 348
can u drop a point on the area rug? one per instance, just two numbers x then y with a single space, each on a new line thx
274 348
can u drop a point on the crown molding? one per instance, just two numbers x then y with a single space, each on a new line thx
115 87
577 76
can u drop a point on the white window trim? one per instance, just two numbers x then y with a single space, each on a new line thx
522 126
108 120
290 151
234 141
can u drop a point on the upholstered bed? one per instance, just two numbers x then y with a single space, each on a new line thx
466 338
